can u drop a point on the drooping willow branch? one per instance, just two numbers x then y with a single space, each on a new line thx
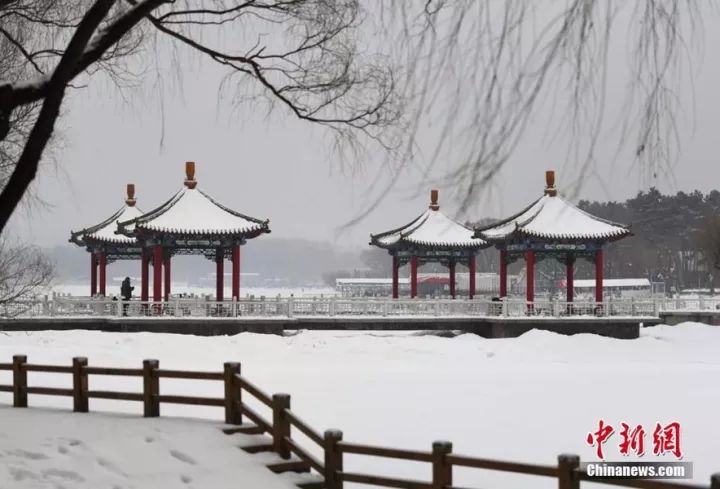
490 71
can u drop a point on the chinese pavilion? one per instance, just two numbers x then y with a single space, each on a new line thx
552 227
105 246
190 223
431 237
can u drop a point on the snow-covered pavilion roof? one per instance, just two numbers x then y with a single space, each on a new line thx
104 232
431 229
192 212
553 218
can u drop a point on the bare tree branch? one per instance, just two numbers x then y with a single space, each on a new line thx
24 271
27 165
305 56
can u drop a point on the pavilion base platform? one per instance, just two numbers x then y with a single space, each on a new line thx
488 327
676 317
198 327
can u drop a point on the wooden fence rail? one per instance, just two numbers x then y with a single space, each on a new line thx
441 458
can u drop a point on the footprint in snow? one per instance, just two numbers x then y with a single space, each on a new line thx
110 467
19 474
149 439
27 455
66 475
183 457
186 479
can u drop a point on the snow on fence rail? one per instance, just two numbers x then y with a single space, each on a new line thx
568 471
338 306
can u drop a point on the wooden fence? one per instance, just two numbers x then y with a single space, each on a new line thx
568 471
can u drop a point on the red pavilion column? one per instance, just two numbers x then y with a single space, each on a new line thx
413 276
219 284
144 276
157 272
570 275
93 274
395 277
103 274
236 272
452 278
471 281
599 276
168 276
530 265
503 273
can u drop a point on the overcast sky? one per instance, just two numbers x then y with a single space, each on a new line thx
279 168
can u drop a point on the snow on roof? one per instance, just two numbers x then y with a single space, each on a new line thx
432 228
193 212
105 231
552 217
613 282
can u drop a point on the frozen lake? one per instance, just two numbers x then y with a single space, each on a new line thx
525 399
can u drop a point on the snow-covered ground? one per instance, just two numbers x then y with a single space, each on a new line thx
523 399
50 449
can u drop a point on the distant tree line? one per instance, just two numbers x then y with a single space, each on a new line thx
676 238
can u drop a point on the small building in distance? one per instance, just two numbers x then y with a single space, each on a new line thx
429 285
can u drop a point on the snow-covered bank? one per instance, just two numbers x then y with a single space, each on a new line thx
525 399
53 449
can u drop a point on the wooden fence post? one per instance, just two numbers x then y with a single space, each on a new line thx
151 389
80 385
281 424
715 481
333 459
567 464
441 469
232 393
19 381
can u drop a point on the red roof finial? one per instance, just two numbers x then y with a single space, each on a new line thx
190 181
550 183
130 200
434 200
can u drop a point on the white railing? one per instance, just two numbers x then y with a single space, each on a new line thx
340 306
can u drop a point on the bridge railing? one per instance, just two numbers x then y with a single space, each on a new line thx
342 307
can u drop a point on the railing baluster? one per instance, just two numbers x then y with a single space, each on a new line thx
441 469
281 424
232 394
19 381
151 389
333 459
80 385
567 464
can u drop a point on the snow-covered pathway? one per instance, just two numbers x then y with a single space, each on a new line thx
42 448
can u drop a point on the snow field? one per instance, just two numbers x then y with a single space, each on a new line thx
42 448
525 399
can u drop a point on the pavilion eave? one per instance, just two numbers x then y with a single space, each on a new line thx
418 246
522 236
192 239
